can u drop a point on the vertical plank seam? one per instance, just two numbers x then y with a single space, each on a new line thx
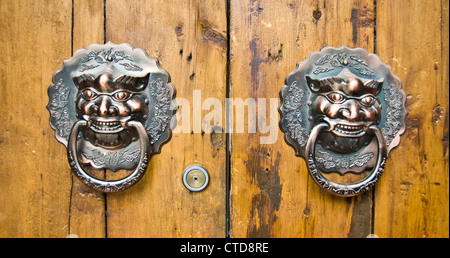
372 213
227 123
104 21
72 30
105 195
442 61
375 26
71 175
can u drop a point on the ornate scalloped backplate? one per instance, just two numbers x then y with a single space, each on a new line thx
157 95
348 90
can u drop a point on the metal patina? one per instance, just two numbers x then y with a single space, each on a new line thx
111 106
343 111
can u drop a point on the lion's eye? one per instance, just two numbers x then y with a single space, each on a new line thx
121 96
89 94
335 97
368 100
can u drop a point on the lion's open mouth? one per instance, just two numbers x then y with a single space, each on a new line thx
106 126
349 130
107 132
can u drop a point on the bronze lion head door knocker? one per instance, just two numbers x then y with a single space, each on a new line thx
111 106
343 111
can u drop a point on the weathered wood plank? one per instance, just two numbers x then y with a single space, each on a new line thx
272 194
34 175
412 199
87 211
189 40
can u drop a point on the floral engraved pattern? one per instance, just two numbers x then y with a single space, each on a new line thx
394 113
331 61
163 113
109 186
131 67
292 105
328 162
100 158
106 56
59 110
342 189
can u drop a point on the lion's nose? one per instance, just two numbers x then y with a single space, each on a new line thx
104 106
350 111
113 110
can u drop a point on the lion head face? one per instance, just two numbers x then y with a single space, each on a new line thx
349 105
107 104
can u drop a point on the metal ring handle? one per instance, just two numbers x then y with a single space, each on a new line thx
108 186
352 189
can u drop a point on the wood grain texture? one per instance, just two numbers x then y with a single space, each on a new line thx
189 40
272 194
34 174
412 199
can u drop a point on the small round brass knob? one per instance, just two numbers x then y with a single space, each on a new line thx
195 178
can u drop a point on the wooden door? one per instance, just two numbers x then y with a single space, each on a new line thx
40 198
223 49
272 193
